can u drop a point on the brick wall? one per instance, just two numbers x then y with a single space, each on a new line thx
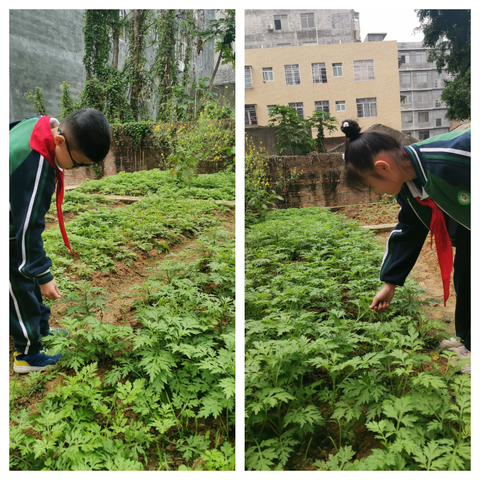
319 182
122 157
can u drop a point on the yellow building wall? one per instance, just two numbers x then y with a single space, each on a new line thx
385 88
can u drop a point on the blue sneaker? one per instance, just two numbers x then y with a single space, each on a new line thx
33 363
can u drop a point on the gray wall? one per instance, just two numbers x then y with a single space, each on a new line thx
46 48
331 26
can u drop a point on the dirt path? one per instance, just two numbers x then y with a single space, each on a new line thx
123 287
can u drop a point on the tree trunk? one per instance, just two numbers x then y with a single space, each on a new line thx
217 65
136 63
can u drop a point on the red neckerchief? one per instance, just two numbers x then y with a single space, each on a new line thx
438 229
42 142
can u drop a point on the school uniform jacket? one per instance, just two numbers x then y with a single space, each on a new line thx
32 184
442 166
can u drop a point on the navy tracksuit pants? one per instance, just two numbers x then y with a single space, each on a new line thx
28 315
462 284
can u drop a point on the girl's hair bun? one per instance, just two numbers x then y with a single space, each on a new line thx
351 129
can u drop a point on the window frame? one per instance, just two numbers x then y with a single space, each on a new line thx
319 74
364 70
267 70
295 71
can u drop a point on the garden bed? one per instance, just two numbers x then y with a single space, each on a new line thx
330 384
146 380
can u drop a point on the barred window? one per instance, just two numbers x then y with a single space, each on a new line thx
250 115
298 107
323 105
248 77
292 74
363 70
366 107
319 73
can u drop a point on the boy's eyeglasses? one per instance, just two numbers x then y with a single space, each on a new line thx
75 164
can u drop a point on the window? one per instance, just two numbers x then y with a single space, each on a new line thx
307 20
363 70
248 77
281 22
250 115
267 74
323 105
269 109
423 98
319 73
404 58
292 74
438 122
340 106
298 107
407 118
421 77
405 79
437 83
423 135
366 107
283 44
421 57
438 103
337 70
423 117
406 99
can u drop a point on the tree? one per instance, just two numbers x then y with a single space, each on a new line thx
293 133
448 34
223 32
322 120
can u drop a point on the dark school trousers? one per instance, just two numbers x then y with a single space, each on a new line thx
28 315
461 282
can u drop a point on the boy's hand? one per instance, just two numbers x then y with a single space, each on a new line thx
50 290
382 299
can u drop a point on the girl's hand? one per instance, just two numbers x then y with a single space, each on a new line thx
382 299
50 290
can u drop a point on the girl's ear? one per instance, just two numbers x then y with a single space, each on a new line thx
381 164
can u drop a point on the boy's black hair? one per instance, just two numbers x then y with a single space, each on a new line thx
88 132
361 150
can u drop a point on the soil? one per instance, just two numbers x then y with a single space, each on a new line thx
123 286
426 271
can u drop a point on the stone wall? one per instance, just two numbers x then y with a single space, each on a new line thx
319 181
122 157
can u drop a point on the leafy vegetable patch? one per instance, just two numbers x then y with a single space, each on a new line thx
329 383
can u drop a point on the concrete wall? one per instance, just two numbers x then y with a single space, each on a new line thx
330 26
320 182
46 48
